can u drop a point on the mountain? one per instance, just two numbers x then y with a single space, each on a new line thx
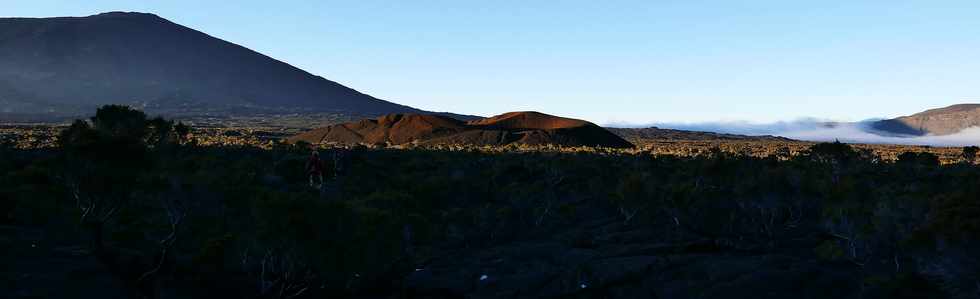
940 121
67 66
532 128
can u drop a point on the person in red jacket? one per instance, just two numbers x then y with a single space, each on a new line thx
314 168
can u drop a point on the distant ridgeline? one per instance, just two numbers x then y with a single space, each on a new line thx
655 133
532 128
940 121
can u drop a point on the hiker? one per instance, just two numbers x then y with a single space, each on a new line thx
314 168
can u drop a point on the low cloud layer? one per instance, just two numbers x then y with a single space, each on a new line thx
818 130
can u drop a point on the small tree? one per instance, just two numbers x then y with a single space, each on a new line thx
832 152
970 153
837 155
183 132
120 123
109 168
103 162
161 132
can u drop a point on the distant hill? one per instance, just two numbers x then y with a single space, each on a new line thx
532 128
940 121
654 133
66 66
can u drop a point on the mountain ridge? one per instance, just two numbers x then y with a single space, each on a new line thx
66 66
937 121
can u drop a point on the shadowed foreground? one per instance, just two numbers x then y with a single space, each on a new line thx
125 208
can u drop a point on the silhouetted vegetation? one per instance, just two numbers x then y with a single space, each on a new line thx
165 218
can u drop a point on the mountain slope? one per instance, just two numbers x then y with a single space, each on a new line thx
68 65
515 127
940 121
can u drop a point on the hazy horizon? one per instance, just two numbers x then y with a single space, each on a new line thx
810 129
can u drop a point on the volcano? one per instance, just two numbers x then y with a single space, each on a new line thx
531 128
68 66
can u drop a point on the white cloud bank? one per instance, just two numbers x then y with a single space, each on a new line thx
817 130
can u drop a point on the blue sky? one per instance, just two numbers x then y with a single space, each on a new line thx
632 62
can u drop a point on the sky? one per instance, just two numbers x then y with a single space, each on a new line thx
611 62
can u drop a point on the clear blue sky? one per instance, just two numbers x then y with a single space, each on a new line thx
608 61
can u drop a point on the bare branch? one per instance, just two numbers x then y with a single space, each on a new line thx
280 275
547 210
175 215
629 214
